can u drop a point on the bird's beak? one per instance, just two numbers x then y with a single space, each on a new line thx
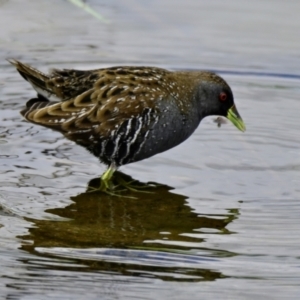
235 118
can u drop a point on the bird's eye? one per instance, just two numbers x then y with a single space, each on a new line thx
223 97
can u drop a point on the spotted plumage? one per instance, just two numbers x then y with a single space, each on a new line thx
125 114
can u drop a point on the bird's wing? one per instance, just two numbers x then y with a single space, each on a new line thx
106 100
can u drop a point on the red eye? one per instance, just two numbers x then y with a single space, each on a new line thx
223 96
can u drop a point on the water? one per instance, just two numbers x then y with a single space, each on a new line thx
224 224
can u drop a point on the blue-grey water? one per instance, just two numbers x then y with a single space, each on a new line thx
225 222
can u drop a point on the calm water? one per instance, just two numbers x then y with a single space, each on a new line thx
224 224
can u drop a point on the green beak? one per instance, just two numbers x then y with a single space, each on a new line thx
235 118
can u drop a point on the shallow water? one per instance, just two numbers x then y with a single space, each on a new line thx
224 224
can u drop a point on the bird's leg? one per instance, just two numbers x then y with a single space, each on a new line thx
112 184
109 182
107 185
106 178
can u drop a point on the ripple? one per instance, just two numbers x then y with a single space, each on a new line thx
132 257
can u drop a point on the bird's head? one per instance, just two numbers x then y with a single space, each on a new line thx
216 98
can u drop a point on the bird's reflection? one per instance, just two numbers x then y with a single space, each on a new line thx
159 220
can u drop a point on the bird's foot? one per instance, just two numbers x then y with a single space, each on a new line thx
131 184
117 184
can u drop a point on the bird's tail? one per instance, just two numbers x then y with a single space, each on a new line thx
35 77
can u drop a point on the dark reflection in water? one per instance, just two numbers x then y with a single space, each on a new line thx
129 232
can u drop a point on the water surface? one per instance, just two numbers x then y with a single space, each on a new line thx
224 224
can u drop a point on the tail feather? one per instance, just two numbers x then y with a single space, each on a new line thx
35 77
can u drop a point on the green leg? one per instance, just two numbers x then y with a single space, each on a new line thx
106 182
107 186
113 184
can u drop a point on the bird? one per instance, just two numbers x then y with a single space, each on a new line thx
124 114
